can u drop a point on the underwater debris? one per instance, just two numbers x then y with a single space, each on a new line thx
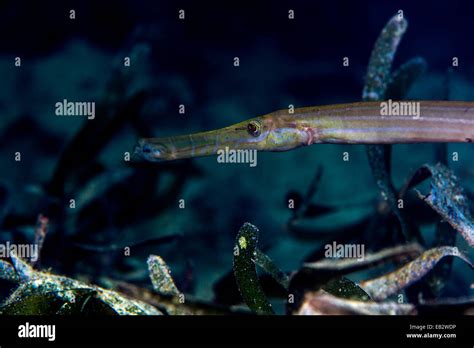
24 271
352 264
160 276
271 268
436 280
323 303
446 197
7 272
65 291
382 287
445 234
50 303
341 296
41 230
308 280
377 79
345 288
245 272
171 304
227 293
381 58
379 160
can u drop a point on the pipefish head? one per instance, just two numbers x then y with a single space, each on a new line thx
264 133
244 135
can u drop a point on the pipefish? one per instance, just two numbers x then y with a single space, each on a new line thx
353 123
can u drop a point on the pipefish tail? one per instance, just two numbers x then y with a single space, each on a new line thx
389 122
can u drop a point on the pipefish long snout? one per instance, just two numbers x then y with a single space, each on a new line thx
390 122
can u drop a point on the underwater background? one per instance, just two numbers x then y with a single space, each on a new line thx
121 204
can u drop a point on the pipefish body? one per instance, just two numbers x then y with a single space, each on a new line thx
354 123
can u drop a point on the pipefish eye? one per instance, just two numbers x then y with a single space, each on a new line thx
153 152
254 128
